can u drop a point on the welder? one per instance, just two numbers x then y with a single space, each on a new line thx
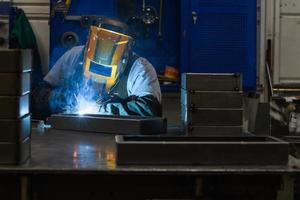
105 76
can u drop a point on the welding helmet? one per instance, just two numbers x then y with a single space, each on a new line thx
107 51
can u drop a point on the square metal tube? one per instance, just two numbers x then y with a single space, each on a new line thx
212 99
109 124
212 82
166 150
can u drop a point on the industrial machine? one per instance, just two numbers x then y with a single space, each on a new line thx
216 36
219 36
155 25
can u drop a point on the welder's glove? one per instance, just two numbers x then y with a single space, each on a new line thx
109 109
133 105
109 98
108 104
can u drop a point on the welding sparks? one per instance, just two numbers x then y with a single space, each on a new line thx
85 106
83 99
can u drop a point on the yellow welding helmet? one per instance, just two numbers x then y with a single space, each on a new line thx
106 55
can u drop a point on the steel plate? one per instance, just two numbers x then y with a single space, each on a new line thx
109 124
212 82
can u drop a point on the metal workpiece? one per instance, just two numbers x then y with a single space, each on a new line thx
167 150
109 124
14 83
15 130
15 60
212 116
192 130
211 82
15 153
13 107
212 99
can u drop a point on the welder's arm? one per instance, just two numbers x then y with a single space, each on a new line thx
47 99
143 90
39 101
51 87
134 106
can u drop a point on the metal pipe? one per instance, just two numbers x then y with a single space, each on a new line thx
286 89
144 5
160 19
269 79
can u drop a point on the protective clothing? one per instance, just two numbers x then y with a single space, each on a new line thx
136 91
106 72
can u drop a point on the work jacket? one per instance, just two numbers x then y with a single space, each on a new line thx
137 87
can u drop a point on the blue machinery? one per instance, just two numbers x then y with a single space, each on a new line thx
194 35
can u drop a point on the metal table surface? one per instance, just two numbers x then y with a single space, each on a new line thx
64 152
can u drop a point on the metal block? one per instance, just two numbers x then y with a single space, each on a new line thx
14 106
212 99
214 130
14 84
211 82
110 124
167 150
15 130
212 116
15 60
15 153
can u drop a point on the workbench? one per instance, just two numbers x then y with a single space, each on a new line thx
72 164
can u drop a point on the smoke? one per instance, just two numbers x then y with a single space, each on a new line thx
85 106
77 98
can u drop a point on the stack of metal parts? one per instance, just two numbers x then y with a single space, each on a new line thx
212 104
15 122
